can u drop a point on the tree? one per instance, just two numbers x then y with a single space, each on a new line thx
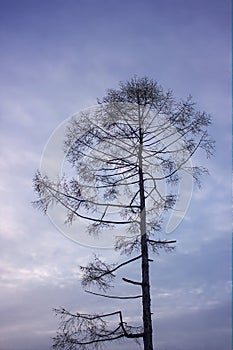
135 140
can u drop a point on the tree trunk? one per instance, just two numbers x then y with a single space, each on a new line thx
146 301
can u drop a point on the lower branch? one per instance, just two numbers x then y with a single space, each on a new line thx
114 296
79 331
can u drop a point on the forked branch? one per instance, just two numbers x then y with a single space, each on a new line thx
79 331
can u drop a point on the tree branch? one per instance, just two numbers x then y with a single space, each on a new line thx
101 273
113 296
82 329
157 244
160 242
127 262
130 281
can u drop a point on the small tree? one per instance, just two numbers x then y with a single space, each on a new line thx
137 138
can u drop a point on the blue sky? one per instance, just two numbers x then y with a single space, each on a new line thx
56 58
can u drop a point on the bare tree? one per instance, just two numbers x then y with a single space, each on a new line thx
135 140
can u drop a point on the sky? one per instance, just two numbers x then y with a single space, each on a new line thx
56 58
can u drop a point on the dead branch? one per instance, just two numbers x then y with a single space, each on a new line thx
131 281
78 331
113 296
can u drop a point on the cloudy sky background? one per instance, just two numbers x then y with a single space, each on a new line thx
56 58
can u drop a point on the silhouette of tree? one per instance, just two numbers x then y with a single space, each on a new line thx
136 139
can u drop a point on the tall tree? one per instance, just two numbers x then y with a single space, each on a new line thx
122 153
